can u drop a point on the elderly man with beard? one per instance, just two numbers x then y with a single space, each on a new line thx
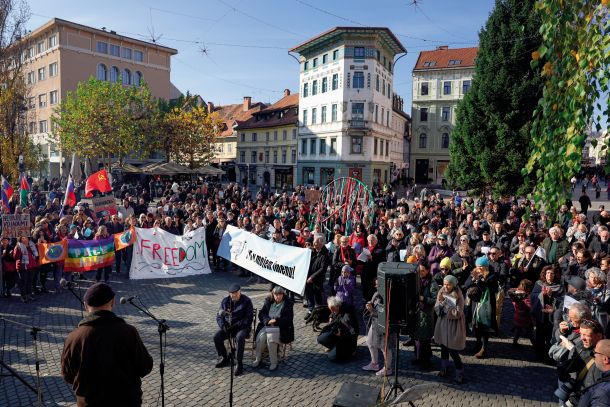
599 244
319 263
555 246
599 393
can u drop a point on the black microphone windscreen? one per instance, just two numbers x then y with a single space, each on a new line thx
123 300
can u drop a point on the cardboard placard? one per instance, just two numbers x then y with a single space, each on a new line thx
16 225
104 206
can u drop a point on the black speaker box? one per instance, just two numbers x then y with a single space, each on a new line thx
398 285
356 395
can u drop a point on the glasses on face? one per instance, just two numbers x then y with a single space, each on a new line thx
599 353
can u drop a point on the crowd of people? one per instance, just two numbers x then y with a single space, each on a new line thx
471 257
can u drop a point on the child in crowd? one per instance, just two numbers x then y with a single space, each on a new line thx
523 321
345 285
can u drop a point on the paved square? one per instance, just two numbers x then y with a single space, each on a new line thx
306 378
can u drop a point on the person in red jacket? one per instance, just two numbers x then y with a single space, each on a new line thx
9 271
25 254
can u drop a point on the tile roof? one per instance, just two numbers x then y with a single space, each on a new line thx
385 33
229 114
270 116
444 57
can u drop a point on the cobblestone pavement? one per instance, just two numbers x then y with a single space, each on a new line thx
305 378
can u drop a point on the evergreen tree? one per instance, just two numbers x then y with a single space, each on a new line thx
490 142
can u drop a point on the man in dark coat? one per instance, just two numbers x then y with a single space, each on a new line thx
234 318
319 263
599 393
585 203
104 358
340 336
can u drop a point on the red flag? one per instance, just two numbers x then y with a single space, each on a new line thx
97 182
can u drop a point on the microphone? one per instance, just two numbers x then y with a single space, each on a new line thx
124 300
65 283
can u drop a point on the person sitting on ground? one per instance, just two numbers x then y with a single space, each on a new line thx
275 326
340 336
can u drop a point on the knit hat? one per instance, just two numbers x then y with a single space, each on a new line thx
445 263
98 294
451 279
577 283
482 262
442 236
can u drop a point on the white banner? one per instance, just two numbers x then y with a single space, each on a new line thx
160 254
284 265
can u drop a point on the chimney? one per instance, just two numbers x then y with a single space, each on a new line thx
247 103
286 92
442 47
210 107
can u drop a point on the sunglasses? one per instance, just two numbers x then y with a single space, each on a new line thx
591 323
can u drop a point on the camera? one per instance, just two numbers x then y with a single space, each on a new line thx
564 390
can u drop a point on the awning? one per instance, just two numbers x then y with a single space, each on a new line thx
125 168
208 170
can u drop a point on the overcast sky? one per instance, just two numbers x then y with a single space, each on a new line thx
262 31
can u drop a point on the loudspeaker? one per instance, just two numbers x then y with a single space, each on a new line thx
356 395
398 285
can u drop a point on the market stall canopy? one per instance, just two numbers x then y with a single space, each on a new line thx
208 170
126 168
165 169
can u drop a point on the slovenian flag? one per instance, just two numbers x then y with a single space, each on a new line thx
7 192
24 189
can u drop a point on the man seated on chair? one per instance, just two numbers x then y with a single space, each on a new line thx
275 326
234 320
340 336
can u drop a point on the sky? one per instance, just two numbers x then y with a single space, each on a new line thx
228 49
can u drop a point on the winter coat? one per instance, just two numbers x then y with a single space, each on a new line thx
239 313
485 283
598 394
450 329
438 253
424 330
318 265
339 259
522 304
32 254
106 375
563 247
284 321
345 289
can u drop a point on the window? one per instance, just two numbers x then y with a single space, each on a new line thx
102 47
40 47
455 62
115 50
387 118
32 127
423 114
358 111
358 80
382 114
315 63
114 74
41 74
333 113
424 89
52 41
322 146
314 88
294 134
445 140
138 56
31 78
445 113
267 157
284 135
383 87
304 146
380 147
387 148
53 69
229 147
137 78
306 65
42 100
423 140
333 146
377 83
305 117
375 146
126 77
314 115
242 156
312 146
447 88
376 113
267 137
358 52
335 55
293 156
283 156
243 137
356 144
305 90
389 92
31 103
254 137
275 135
465 86
335 84
253 157
102 72
324 59
126 53
53 97
429 64
43 126
274 156
322 115
308 175
324 85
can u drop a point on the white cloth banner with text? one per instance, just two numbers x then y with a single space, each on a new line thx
160 254
281 264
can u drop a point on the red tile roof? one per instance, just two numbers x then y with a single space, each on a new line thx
270 116
231 114
440 58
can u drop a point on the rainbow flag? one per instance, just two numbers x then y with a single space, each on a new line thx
88 255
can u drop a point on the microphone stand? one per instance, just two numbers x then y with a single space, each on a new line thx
78 296
232 353
162 328
34 333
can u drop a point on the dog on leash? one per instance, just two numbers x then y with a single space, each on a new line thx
319 315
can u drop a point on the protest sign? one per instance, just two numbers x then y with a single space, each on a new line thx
284 265
160 254
89 255
312 195
15 225
104 206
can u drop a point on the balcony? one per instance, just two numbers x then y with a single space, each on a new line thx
358 124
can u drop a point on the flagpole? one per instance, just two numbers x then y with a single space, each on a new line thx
63 206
